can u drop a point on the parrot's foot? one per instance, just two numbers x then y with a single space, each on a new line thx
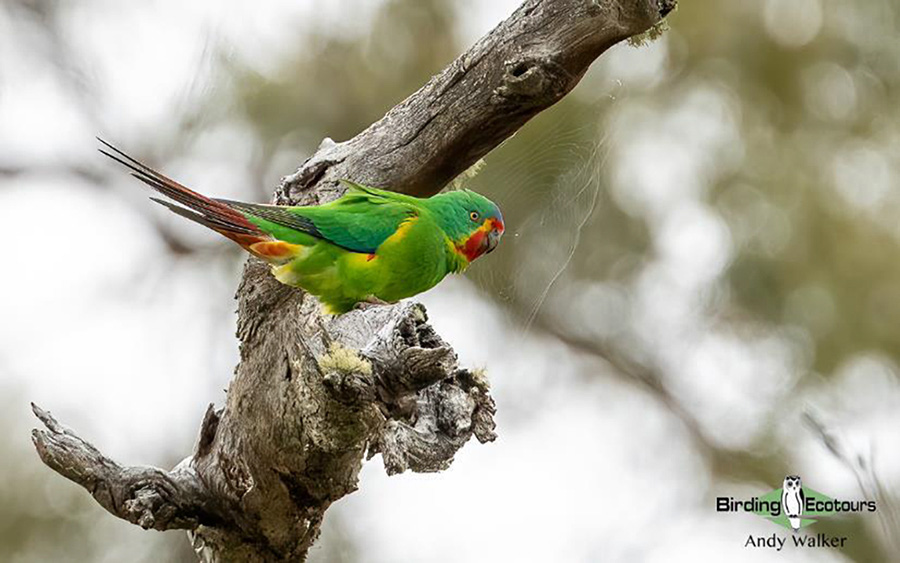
369 302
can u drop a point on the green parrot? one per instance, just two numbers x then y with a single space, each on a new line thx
370 245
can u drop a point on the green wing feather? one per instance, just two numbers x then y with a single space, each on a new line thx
359 221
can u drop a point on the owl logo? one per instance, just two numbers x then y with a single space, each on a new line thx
792 500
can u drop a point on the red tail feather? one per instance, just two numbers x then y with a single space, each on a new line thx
208 212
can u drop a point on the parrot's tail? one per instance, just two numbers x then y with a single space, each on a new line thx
198 208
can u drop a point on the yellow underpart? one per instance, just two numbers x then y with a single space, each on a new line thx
283 274
360 259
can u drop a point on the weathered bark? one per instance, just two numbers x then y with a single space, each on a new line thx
311 396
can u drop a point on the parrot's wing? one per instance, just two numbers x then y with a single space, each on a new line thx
375 195
359 222
360 189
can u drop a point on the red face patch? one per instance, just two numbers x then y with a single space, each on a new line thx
473 248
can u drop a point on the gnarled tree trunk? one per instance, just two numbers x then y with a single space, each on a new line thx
312 397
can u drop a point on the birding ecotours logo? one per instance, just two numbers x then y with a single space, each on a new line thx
794 506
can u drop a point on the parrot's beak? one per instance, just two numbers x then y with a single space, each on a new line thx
483 240
493 236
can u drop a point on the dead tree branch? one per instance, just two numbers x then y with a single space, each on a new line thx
312 397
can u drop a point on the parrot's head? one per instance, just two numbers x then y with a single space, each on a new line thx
473 222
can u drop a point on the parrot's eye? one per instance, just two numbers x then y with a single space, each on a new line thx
473 215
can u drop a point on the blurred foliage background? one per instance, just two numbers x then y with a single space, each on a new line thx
698 282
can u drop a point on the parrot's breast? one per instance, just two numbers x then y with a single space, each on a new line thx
410 261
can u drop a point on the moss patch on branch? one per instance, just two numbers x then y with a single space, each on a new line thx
344 361
649 36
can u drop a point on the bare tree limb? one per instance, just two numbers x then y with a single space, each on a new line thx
522 67
146 496
312 396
